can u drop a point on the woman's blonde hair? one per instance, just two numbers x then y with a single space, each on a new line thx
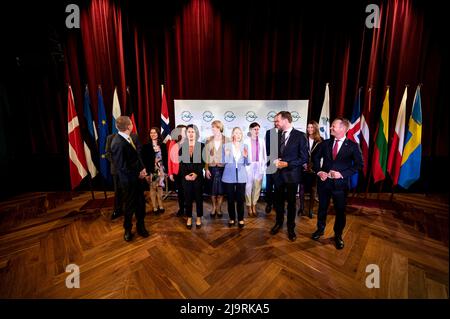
218 124
234 129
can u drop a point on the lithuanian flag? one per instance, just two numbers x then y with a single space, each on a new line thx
380 151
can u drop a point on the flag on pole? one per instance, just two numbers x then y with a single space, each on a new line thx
92 136
88 115
324 122
115 111
381 143
130 111
355 122
365 137
354 132
412 153
77 159
165 128
102 134
396 150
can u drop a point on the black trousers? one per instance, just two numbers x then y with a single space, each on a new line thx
269 189
179 187
118 202
286 192
326 191
134 202
193 191
235 199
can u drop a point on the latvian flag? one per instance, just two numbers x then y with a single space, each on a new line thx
165 128
77 159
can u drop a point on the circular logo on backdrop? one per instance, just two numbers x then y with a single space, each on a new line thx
250 116
186 116
208 116
295 116
229 116
271 116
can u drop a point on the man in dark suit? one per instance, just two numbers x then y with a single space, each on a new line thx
130 172
272 137
118 202
341 159
293 153
118 208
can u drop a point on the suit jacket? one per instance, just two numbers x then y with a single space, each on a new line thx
191 164
348 161
148 156
108 154
126 159
315 148
230 173
295 153
274 136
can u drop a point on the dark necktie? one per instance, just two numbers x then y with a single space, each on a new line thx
282 142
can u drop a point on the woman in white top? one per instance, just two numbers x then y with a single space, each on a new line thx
257 158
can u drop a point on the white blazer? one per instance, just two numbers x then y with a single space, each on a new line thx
262 155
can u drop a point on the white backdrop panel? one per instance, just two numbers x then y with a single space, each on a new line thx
240 113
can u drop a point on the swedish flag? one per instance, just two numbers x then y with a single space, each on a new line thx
412 152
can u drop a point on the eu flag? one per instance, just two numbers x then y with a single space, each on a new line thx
102 134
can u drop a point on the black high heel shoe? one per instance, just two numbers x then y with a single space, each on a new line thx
198 223
189 226
231 223
241 225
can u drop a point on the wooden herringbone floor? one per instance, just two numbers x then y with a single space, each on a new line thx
41 233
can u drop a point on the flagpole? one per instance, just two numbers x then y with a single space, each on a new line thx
369 167
90 186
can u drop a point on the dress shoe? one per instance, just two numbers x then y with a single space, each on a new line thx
180 213
275 229
161 210
291 235
189 223
213 215
128 236
268 208
142 231
338 241
231 223
219 214
198 223
241 224
116 214
316 235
